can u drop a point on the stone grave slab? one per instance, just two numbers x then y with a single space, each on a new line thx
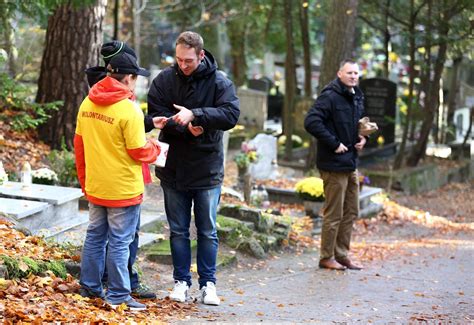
21 208
46 193
60 212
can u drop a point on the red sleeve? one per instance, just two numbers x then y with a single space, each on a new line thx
146 173
80 161
147 153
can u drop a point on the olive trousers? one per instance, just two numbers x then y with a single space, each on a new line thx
341 208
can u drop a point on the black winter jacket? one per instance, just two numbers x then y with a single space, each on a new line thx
333 119
193 162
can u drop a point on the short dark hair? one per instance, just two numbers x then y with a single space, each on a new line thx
343 62
191 40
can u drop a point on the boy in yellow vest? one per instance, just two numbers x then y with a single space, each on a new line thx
110 148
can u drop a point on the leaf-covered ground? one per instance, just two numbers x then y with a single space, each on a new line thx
17 148
48 298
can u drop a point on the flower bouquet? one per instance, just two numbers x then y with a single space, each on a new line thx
363 180
246 156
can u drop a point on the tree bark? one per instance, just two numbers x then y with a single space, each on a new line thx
399 159
237 30
386 41
290 81
432 87
73 40
304 23
338 38
452 95
8 38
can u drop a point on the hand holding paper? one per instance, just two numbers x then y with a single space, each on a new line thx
160 121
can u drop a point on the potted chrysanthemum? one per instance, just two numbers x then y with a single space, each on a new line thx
311 190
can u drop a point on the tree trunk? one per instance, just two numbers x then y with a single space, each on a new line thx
8 38
237 31
468 134
411 84
432 96
290 81
339 38
116 19
73 40
306 47
386 41
452 95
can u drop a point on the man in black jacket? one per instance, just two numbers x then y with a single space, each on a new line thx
200 103
333 120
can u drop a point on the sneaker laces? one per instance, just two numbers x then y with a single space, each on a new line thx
180 286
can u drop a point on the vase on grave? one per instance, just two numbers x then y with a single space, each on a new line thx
242 170
313 208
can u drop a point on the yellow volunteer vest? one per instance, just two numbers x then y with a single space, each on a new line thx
107 132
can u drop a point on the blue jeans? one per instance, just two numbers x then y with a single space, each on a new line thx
178 211
134 281
115 226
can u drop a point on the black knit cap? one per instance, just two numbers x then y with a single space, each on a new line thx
125 63
110 49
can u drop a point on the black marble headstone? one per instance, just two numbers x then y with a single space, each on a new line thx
380 106
259 84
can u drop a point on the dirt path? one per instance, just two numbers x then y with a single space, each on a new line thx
418 267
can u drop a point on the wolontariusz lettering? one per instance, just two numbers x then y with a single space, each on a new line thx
98 116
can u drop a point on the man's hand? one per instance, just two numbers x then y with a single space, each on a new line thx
341 149
362 141
184 116
160 121
195 130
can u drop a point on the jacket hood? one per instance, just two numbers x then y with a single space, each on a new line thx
337 86
207 67
109 91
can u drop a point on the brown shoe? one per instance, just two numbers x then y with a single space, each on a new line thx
348 263
331 264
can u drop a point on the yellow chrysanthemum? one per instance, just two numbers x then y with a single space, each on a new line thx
404 109
311 188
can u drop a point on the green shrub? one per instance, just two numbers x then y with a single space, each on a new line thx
63 162
22 113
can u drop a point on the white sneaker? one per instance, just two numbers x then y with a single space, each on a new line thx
209 294
180 291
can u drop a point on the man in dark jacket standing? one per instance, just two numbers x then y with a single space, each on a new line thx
201 103
333 120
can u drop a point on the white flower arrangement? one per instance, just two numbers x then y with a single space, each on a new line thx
3 176
44 176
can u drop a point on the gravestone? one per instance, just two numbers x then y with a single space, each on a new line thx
59 211
380 106
275 106
259 84
265 167
253 108
461 122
